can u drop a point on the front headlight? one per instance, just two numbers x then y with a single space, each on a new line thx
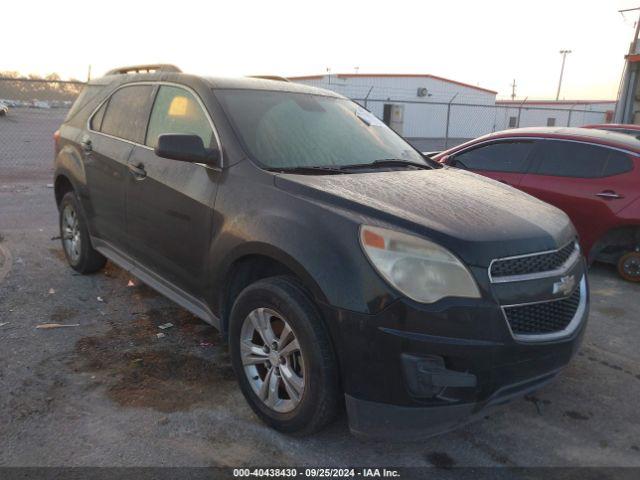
420 269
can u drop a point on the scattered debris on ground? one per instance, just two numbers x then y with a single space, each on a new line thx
48 326
164 326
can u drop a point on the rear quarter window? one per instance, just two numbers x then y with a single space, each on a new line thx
83 105
96 120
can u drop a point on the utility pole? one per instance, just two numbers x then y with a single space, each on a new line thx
628 84
564 58
89 74
513 89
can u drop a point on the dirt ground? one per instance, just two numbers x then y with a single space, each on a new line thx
109 392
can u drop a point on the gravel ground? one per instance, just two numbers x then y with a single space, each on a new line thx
108 392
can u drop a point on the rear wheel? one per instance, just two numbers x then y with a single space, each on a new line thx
629 266
75 237
282 356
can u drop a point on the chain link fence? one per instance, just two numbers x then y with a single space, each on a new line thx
37 107
431 126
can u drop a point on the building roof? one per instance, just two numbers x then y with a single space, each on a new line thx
552 102
394 75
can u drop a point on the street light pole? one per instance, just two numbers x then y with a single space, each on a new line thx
564 57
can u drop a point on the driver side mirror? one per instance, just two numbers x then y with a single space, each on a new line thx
186 148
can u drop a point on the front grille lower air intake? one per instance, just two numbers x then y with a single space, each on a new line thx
543 318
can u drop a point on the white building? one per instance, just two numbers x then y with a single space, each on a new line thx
434 112
415 105
552 113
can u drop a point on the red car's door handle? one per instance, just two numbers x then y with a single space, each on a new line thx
505 182
609 195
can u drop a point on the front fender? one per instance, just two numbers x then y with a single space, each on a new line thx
322 248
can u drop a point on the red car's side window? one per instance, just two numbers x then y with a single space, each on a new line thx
505 156
573 159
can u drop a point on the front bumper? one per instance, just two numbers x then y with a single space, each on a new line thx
413 371
394 422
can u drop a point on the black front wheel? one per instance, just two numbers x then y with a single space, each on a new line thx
74 235
282 356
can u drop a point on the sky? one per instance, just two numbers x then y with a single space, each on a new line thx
486 43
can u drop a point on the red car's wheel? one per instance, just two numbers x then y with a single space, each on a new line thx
629 266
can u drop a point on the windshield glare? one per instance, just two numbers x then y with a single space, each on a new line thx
291 130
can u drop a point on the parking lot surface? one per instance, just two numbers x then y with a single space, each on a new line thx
108 392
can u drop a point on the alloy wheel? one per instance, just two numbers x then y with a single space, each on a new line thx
630 266
71 233
272 360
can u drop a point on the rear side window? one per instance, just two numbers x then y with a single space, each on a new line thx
127 112
571 159
497 157
176 110
617 163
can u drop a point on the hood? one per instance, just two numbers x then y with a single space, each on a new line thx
475 217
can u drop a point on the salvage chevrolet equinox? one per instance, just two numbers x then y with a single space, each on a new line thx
343 267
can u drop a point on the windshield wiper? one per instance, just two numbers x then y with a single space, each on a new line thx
388 162
310 169
337 169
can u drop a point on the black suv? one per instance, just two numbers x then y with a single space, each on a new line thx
341 264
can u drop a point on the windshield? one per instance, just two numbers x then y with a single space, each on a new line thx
292 130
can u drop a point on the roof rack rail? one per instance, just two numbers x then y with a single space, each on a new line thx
277 78
158 67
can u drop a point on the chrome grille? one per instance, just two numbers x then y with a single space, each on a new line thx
532 264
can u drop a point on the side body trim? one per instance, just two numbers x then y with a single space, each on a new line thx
158 283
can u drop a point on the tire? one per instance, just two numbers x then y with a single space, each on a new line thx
77 249
282 302
629 266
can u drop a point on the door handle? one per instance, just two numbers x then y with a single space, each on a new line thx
138 171
609 195
505 182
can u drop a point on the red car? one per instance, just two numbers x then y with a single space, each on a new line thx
626 128
593 175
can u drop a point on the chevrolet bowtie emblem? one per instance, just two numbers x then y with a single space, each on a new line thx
565 285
